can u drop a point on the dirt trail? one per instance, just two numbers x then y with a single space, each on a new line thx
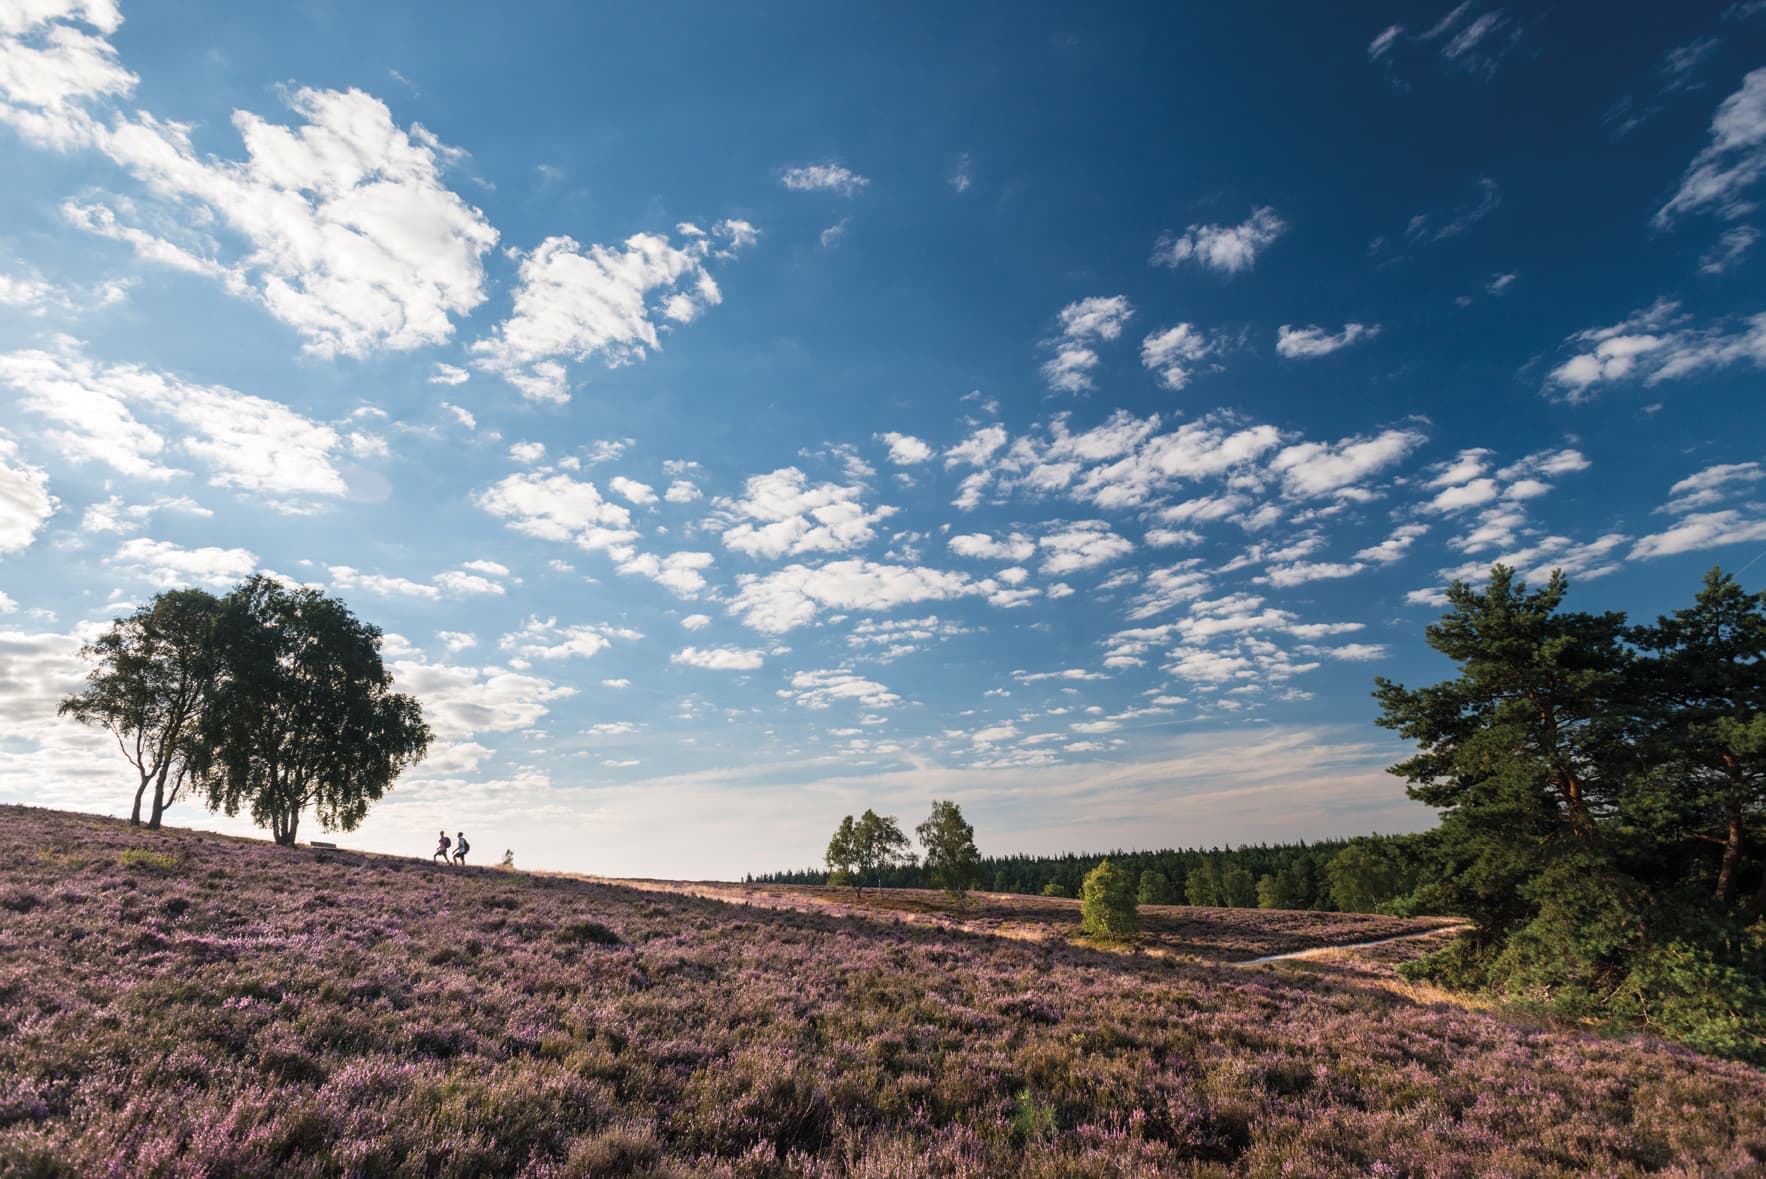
1384 941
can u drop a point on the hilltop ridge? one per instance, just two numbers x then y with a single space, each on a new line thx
180 1003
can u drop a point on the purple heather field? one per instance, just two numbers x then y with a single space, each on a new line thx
184 1004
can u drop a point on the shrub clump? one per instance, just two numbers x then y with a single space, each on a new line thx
589 933
140 857
1107 907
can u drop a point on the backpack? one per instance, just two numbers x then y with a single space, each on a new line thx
463 848
446 843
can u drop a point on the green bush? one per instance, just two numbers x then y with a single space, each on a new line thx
1682 992
1054 888
140 857
1107 903
1155 888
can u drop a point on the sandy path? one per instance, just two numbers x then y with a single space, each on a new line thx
1385 941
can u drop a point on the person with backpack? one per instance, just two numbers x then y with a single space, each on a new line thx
441 849
460 849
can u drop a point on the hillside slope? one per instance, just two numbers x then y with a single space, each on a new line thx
185 1004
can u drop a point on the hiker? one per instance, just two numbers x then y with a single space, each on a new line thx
441 849
460 848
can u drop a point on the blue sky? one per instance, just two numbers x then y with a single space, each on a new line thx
736 418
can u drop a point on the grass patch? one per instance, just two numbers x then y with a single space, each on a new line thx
140 857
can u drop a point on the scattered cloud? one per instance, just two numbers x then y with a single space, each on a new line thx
248 443
460 702
544 639
905 450
720 658
1312 469
682 574
1426 229
793 596
1172 354
1395 547
1309 342
354 239
1224 249
782 514
165 565
574 303
1723 171
829 177
1301 572
1016 547
962 176
1096 318
25 502
1083 545
554 506
823 689
1730 249
632 491
1704 523
1655 344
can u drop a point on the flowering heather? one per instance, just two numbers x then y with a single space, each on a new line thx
233 1008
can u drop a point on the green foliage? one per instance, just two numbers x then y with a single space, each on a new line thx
1704 736
303 713
1155 888
1603 798
1686 993
508 858
1367 876
1054 888
866 848
952 861
843 852
140 857
151 678
1202 887
1279 891
1107 903
1517 750
1238 887
1032 1121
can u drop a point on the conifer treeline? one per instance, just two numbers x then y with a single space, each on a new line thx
1370 872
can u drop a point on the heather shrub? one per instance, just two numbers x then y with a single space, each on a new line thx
303 1021
628 1149
1107 903
589 933
20 902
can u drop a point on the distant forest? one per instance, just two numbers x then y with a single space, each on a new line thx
1366 874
